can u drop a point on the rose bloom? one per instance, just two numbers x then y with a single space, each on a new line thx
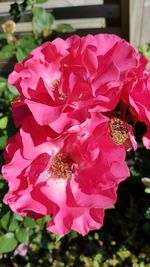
62 82
74 177
135 97
69 156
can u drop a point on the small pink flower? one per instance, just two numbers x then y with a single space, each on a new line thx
21 250
74 177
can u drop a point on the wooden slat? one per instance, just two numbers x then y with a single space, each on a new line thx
139 23
5 5
76 23
114 11
82 32
101 11
125 24
123 21
136 9
59 2
145 36
113 22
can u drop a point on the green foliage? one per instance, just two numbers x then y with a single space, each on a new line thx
64 27
6 97
17 10
41 1
22 235
8 222
7 242
42 27
29 222
3 122
7 51
42 20
145 51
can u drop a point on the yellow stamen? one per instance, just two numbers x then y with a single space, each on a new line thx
61 166
55 85
118 131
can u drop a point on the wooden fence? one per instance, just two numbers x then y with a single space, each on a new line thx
139 22
111 16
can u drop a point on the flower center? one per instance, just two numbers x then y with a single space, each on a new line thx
118 131
61 166
55 84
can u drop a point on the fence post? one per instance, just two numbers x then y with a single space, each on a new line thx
136 21
125 19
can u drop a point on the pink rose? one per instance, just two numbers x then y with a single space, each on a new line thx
135 96
62 82
69 156
74 177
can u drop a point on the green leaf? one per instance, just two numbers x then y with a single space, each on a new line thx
13 225
18 217
20 54
8 222
41 1
41 19
28 222
3 35
3 122
146 181
13 90
16 10
42 221
22 236
7 51
147 190
3 83
27 43
2 79
147 214
64 27
7 243
3 141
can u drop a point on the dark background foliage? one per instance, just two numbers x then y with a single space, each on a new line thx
124 240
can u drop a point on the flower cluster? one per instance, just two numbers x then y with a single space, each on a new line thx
76 100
